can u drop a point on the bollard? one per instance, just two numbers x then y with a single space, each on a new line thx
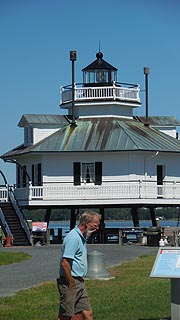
96 266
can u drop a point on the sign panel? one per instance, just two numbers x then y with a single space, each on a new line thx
39 226
167 263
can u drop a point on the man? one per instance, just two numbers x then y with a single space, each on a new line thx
74 301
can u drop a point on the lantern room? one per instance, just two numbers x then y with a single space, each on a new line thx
99 72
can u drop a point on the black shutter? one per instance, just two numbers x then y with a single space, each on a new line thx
24 176
98 173
18 176
39 174
77 173
33 180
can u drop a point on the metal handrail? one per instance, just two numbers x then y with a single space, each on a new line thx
4 224
20 215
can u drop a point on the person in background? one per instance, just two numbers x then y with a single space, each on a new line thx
74 301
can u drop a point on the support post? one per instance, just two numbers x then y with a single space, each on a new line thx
102 226
73 218
73 58
47 216
153 217
175 299
135 217
146 72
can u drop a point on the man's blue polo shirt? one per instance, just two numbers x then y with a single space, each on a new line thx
74 249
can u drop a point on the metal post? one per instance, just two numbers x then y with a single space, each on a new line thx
146 72
175 299
73 58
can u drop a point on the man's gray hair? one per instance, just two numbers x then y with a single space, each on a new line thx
88 216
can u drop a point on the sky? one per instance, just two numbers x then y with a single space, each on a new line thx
36 37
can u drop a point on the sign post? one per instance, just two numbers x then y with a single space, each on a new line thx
167 265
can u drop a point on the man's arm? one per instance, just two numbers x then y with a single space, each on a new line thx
66 265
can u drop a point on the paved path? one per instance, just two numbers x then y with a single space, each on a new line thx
44 264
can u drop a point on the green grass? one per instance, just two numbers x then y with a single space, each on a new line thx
12 257
131 295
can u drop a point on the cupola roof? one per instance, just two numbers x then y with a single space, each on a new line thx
99 63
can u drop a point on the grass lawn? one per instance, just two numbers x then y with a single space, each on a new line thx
12 257
131 295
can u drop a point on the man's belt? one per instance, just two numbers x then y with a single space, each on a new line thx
79 279
76 278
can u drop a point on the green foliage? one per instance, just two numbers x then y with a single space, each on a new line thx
109 214
130 295
13 257
39 215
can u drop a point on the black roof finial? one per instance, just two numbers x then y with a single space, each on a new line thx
99 55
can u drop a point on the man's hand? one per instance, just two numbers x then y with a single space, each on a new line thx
66 265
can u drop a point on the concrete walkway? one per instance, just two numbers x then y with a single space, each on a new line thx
44 264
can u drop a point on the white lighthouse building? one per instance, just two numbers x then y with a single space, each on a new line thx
98 155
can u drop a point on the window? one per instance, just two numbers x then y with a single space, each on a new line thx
28 135
90 172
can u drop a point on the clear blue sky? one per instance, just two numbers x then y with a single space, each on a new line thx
37 35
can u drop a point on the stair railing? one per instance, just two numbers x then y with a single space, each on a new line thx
19 214
4 224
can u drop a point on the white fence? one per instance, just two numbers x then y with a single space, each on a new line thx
113 92
119 190
136 189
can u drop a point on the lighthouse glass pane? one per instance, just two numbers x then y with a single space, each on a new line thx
101 76
88 172
89 77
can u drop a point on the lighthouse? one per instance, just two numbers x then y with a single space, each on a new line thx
97 154
101 94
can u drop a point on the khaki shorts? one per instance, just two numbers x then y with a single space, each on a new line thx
72 300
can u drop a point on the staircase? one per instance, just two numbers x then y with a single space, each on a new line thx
17 230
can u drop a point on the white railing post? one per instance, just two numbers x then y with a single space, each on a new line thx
114 90
174 189
137 94
140 189
30 190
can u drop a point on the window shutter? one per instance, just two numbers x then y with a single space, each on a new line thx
24 176
33 174
18 176
77 173
98 173
39 174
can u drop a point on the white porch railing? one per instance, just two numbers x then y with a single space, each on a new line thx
116 91
3 194
138 189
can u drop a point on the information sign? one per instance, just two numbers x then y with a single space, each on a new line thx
39 226
167 263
